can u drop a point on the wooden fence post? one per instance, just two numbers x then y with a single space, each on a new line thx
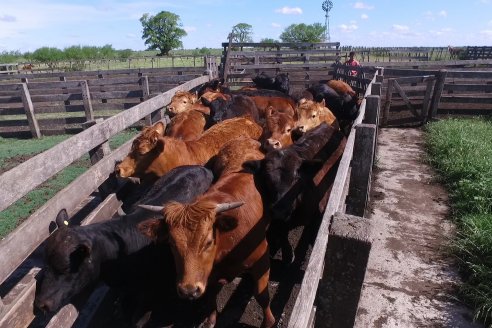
376 89
29 109
436 97
144 82
373 105
426 101
360 175
387 104
96 154
86 98
347 254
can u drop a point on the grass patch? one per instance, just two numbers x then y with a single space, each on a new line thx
461 151
15 151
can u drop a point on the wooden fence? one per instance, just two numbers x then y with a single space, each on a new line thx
413 97
16 303
304 62
55 103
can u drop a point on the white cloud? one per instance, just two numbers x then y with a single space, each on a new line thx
442 13
362 5
364 16
289 11
344 28
487 33
400 28
276 25
189 29
7 18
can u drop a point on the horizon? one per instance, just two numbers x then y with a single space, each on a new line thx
377 23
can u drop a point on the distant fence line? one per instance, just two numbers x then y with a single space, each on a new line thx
54 103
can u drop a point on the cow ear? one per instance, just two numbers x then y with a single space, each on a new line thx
159 146
302 101
160 127
270 110
78 256
154 229
225 223
322 102
62 220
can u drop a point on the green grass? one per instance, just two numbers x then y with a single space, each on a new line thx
461 151
15 151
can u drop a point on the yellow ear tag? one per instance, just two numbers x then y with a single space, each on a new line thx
65 222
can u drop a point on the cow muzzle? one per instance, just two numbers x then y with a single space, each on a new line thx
190 292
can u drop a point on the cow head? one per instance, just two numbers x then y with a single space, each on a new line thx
282 83
309 113
182 101
145 149
278 129
69 266
192 231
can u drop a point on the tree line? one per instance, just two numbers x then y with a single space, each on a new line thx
162 32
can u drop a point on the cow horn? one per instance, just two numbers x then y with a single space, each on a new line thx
134 180
227 206
152 208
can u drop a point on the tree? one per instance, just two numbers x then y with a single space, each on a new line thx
268 40
242 32
162 31
303 33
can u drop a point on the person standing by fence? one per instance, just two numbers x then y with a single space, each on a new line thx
352 62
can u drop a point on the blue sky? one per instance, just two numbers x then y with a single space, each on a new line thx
30 24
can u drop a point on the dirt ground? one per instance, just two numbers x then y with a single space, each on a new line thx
410 280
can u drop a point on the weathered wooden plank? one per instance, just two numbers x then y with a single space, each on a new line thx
467 99
436 96
18 311
346 260
29 109
387 104
362 162
405 98
415 79
479 88
53 85
132 80
57 97
86 98
302 308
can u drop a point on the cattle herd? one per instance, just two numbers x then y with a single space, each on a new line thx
225 180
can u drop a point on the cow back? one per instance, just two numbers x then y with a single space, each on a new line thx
187 125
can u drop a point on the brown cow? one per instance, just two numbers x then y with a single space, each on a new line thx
187 125
152 155
185 100
312 113
277 130
341 87
213 241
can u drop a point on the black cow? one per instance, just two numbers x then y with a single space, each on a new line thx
288 181
78 256
280 82
229 106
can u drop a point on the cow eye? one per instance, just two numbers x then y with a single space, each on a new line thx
209 244
314 115
289 129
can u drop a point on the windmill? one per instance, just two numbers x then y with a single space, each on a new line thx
326 6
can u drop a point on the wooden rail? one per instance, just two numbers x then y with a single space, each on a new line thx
303 311
425 94
79 100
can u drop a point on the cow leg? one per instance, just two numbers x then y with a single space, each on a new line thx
261 276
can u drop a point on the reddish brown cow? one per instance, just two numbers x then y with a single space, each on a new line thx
341 87
277 130
222 234
312 113
152 155
185 100
187 125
